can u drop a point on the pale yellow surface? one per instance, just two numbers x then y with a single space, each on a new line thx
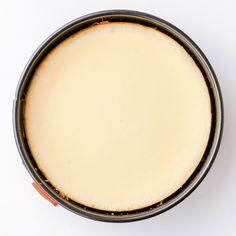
118 116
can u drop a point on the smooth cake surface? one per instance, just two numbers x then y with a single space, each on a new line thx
118 116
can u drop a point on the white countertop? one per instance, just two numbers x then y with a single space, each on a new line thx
209 210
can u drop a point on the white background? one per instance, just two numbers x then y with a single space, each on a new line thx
210 210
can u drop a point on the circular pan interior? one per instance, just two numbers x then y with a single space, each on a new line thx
216 105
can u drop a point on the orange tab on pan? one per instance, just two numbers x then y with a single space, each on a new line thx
43 194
